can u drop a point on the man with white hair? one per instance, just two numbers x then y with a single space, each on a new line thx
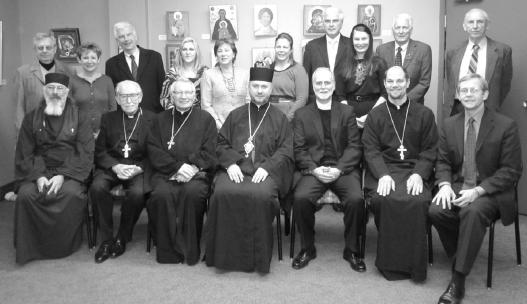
135 63
121 159
414 56
329 50
482 55
53 160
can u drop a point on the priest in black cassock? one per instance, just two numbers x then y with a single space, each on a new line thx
53 160
400 144
182 151
328 153
121 159
255 151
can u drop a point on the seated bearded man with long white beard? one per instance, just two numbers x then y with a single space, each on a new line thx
53 159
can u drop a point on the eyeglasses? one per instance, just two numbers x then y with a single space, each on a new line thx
45 47
125 97
182 92
465 91
57 88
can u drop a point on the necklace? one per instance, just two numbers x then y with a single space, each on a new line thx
401 148
249 145
171 142
230 83
126 149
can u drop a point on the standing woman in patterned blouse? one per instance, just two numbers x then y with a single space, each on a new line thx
290 82
187 65
224 87
92 91
362 75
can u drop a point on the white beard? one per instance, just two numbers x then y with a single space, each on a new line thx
54 109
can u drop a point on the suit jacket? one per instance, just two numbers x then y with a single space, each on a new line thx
498 74
316 55
29 82
417 62
309 138
150 76
498 158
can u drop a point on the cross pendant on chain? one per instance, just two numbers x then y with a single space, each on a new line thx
401 150
126 149
170 143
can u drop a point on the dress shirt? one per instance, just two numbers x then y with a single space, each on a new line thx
404 48
323 106
332 46
129 60
477 115
482 58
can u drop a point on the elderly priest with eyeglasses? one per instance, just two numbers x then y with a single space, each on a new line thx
53 159
255 151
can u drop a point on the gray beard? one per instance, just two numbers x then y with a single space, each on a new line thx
54 109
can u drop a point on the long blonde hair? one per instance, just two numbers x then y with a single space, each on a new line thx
179 56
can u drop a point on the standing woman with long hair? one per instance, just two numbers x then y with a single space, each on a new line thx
224 87
360 81
290 80
187 65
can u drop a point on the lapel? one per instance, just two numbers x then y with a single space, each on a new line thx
410 52
486 125
143 61
335 123
37 72
123 66
316 120
456 61
459 131
391 53
324 50
341 50
492 57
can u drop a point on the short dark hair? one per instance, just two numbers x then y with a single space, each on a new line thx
230 43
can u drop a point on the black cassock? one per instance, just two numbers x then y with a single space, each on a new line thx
50 226
239 234
400 217
177 209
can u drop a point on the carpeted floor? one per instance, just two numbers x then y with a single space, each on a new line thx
137 278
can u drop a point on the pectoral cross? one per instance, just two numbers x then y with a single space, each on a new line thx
126 149
401 149
170 143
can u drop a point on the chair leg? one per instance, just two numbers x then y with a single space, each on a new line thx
491 256
279 234
518 243
430 247
287 222
293 230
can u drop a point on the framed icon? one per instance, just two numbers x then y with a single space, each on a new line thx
177 25
314 19
68 39
370 15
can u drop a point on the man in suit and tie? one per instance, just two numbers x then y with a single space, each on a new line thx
329 50
414 56
478 165
135 63
328 154
479 54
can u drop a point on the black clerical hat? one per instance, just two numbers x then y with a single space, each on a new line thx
262 74
58 78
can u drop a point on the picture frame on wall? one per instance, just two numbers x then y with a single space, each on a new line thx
177 25
262 56
1 54
171 50
223 22
265 17
314 19
370 15
376 43
68 39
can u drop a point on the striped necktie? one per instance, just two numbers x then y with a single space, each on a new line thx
473 67
398 57
469 162
134 67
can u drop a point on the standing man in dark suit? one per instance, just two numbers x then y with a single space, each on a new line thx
479 162
480 54
414 56
329 50
137 64
328 153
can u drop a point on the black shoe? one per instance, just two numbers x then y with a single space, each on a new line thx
303 258
355 261
118 247
452 295
104 252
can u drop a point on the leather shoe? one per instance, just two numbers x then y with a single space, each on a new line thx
104 252
355 261
303 258
452 295
118 247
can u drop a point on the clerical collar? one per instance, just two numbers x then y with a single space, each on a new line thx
184 112
133 115
258 107
398 107
323 106
47 66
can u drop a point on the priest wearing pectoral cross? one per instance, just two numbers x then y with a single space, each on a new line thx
120 159
182 151
400 144
255 152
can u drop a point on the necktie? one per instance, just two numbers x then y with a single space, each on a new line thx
134 67
473 67
398 58
469 163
